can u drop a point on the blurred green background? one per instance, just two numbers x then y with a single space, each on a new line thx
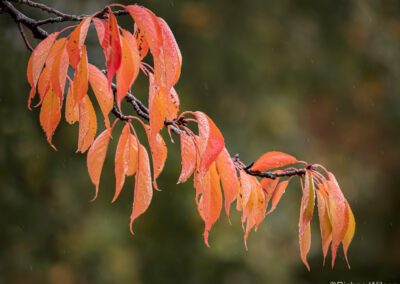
316 79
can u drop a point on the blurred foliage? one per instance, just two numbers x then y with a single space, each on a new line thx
316 79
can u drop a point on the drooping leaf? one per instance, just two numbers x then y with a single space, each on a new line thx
87 124
36 62
142 44
76 41
158 154
173 105
305 244
157 107
81 78
143 190
96 156
115 52
244 190
229 179
211 141
59 71
324 222
337 214
147 24
348 237
188 155
103 33
132 155
50 115
130 65
210 201
269 186
71 109
272 160
121 160
102 91
44 84
279 191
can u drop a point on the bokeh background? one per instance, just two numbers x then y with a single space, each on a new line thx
316 79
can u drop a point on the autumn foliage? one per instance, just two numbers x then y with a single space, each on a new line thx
219 180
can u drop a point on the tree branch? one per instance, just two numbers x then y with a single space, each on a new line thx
141 110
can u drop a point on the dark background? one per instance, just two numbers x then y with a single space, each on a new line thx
316 79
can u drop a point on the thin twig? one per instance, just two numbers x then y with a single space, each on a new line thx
21 30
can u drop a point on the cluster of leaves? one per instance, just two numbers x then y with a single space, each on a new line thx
203 154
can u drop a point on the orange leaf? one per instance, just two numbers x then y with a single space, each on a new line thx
121 160
59 71
279 191
337 214
158 154
130 65
87 124
143 190
269 186
157 107
50 115
173 105
272 160
188 155
114 58
76 41
132 155
229 179
96 156
44 84
103 33
307 200
71 109
147 24
348 237
211 141
172 58
305 244
81 78
210 202
244 191
36 62
102 91
142 44
324 222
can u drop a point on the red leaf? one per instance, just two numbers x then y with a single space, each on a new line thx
229 179
132 155
115 57
102 91
147 24
210 202
188 155
272 160
76 41
130 65
87 124
173 105
103 33
269 186
211 141
44 84
143 190
142 44
96 156
81 78
36 62
50 115
305 244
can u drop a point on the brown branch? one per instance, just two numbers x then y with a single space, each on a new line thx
141 110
